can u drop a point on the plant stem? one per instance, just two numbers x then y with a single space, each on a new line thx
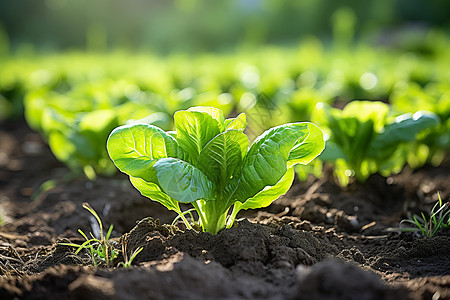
199 207
186 222
216 213
234 212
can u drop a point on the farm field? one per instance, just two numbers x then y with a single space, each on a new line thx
306 245
335 233
156 150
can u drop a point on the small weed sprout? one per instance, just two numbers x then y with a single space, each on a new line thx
439 219
100 249
127 262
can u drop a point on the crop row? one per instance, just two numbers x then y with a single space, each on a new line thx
379 108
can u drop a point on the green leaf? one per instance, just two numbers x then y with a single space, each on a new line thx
404 129
332 152
375 111
349 118
135 148
215 113
303 153
152 191
238 123
64 149
194 130
360 143
265 197
220 157
35 105
95 127
53 120
182 181
99 121
267 159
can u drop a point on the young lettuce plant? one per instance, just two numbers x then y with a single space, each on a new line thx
363 139
207 163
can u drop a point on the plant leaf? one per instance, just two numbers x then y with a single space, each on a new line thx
238 123
220 157
404 129
194 130
135 148
215 113
265 197
182 181
376 111
152 191
332 152
267 158
303 153
99 122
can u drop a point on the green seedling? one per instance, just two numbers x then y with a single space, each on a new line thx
207 163
439 220
100 249
128 261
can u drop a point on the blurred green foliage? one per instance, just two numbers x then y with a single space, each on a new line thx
75 100
364 138
140 61
200 25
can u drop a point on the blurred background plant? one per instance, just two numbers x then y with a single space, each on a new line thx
77 69
199 25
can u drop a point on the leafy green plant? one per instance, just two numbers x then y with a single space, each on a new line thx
207 163
77 134
100 249
74 135
435 143
364 140
439 220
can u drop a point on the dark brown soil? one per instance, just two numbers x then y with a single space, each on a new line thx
317 242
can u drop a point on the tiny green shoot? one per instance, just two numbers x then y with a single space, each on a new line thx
439 220
100 249
128 261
